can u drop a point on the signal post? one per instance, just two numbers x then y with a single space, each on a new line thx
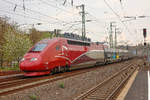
145 53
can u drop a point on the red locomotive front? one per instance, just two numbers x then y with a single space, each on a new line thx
39 59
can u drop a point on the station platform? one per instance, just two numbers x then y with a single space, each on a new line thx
139 87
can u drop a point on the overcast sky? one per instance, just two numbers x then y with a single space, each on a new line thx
54 15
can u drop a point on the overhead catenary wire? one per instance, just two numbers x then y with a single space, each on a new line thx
112 10
42 14
117 16
29 17
38 19
96 20
61 9
99 22
37 12
72 26
47 3
8 12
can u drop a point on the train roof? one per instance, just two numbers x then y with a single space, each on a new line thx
71 41
60 38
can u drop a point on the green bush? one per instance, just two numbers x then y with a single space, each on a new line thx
61 85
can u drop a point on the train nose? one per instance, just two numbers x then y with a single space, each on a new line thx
29 63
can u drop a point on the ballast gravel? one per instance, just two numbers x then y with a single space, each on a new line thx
68 88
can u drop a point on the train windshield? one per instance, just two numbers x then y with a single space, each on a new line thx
39 47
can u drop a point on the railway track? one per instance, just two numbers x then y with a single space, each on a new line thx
109 88
5 73
12 84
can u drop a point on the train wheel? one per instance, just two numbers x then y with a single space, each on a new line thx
63 69
57 70
53 71
96 64
67 68
106 61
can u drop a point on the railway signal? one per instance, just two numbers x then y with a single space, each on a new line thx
144 35
144 32
144 43
145 48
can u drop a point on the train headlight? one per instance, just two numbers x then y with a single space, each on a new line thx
33 59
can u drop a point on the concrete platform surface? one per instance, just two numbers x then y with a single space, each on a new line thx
139 89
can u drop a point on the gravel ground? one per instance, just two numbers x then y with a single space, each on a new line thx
66 89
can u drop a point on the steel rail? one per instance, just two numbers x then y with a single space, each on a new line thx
102 84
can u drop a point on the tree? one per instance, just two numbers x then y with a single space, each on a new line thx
35 35
16 45
46 34
3 28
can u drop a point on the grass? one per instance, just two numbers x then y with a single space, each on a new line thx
33 97
4 68
61 85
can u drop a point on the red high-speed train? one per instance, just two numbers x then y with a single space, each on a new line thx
62 54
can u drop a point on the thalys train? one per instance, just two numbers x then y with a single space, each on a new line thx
62 54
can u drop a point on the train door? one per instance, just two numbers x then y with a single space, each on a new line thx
63 48
65 51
